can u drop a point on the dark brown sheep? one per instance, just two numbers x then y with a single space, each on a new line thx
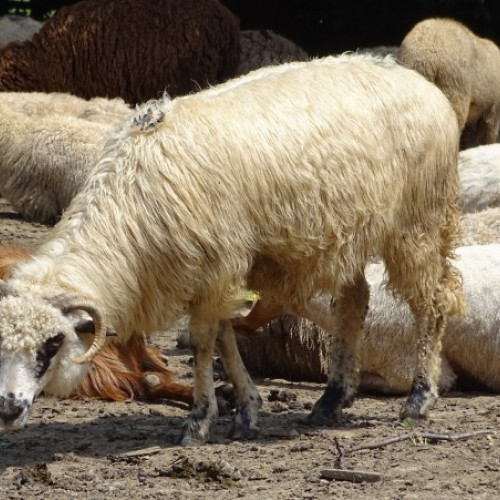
133 49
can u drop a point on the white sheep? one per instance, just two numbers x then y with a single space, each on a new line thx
481 228
97 109
241 187
479 174
464 66
45 159
17 28
294 348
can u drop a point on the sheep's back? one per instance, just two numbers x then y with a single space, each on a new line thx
296 163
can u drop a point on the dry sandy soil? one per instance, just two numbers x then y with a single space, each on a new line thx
101 450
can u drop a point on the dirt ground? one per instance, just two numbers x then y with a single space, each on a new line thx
100 450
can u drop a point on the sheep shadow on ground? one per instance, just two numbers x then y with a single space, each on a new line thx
100 430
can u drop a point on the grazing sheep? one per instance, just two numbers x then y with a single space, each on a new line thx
133 49
120 371
98 109
481 228
465 67
260 48
17 28
296 349
44 160
479 174
236 188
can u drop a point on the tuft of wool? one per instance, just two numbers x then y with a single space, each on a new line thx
26 328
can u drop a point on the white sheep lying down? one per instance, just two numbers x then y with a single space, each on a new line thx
98 109
271 183
295 348
48 145
481 228
479 174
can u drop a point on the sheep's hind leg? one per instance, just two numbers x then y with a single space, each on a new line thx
204 412
344 320
424 392
247 398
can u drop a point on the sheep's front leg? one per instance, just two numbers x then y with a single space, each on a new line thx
247 398
344 320
424 392
204 412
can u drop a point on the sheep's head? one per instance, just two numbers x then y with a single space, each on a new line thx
44 345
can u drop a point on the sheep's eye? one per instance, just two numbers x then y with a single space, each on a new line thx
47 352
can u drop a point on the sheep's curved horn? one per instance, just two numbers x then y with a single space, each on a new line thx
68 303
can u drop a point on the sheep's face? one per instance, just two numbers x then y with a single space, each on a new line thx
37 345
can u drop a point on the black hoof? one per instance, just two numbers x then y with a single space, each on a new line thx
321 418
418 403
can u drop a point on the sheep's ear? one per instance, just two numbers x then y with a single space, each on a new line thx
86 325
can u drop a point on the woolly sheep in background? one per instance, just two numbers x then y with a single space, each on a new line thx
44 160
133 49
464 66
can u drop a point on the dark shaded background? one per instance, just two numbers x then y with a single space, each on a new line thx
328 26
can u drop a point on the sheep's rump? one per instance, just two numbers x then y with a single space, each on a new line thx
134 49
464 66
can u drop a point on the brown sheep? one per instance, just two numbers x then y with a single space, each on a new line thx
133 49
464 66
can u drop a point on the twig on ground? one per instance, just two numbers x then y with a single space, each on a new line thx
431 436
355 476
136 454
341 474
